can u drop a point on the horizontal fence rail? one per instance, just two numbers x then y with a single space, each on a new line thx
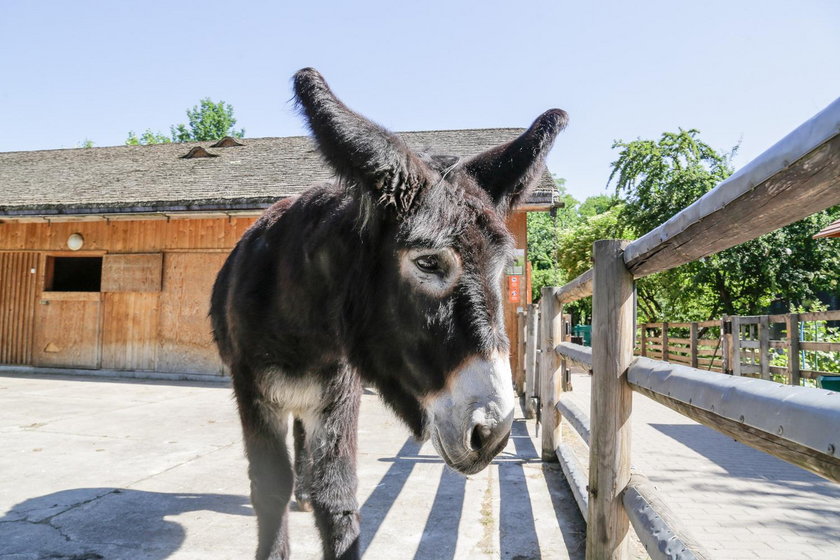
578 288
793 179
661 533
575 416
577 476
577 353
773 418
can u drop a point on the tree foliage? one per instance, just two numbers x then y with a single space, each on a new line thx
559 245
206 121
148 137
655 179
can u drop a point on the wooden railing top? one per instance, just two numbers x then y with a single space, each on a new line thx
788 422
796 177
578 288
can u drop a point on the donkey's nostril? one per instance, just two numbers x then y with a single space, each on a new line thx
479 437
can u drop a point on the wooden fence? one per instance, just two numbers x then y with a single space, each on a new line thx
742 345
797 177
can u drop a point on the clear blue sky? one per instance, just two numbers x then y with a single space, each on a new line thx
739 70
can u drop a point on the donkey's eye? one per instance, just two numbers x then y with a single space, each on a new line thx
428 263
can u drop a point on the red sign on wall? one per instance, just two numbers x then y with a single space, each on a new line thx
514 289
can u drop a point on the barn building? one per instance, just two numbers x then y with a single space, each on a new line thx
108 255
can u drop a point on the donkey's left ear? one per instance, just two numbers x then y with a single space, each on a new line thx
372 159
508 171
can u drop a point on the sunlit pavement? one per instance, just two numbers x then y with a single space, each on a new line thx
126 469
738 502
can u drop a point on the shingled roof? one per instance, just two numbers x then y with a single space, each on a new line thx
148 179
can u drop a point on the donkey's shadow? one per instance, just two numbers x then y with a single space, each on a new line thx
95 523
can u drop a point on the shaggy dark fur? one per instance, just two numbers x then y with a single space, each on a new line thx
313 293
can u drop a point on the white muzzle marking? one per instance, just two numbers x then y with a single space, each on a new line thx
480 397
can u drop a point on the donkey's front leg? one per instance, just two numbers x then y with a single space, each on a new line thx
303 467
333 450
271 476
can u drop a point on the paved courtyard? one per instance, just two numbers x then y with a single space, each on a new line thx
739 502
143 470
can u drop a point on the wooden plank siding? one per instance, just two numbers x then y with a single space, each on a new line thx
67 333
130 331
17 306
184 332
151 313
517 223
126 236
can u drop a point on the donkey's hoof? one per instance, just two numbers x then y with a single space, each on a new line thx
303 504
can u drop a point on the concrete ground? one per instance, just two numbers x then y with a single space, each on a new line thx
740 503
143 470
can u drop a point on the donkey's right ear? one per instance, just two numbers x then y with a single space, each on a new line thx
365 155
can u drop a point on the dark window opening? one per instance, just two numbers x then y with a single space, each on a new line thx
74 274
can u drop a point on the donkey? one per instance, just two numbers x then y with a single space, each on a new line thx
391 276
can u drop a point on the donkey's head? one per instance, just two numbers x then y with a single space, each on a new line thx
426 319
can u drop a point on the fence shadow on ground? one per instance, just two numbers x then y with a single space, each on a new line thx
778 477
517 531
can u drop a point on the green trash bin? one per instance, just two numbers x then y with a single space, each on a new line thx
830 382
585 332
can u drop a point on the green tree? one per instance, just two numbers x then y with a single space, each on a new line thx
543 232
657 179
206 121
148 137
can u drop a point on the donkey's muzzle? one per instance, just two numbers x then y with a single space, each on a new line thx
471 422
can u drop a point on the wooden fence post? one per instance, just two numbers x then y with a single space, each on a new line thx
551 325
519 372
613 306
531 389
643 342
665 353
736 345
725 345
693 343
565 336
764 345
792 324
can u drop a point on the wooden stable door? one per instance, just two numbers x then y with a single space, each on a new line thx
68 312
68 330
131 286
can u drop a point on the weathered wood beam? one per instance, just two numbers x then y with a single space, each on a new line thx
575 416
532 390
613 310
798 176
551 327
576 474
777 419
578 288
579 354
658 528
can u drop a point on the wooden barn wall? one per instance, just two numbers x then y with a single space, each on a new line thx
164 329
151 313
518 225
17 306
184 332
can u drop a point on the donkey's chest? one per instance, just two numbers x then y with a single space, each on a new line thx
301 396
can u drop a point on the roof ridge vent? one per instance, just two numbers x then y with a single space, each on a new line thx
227 142
198 152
